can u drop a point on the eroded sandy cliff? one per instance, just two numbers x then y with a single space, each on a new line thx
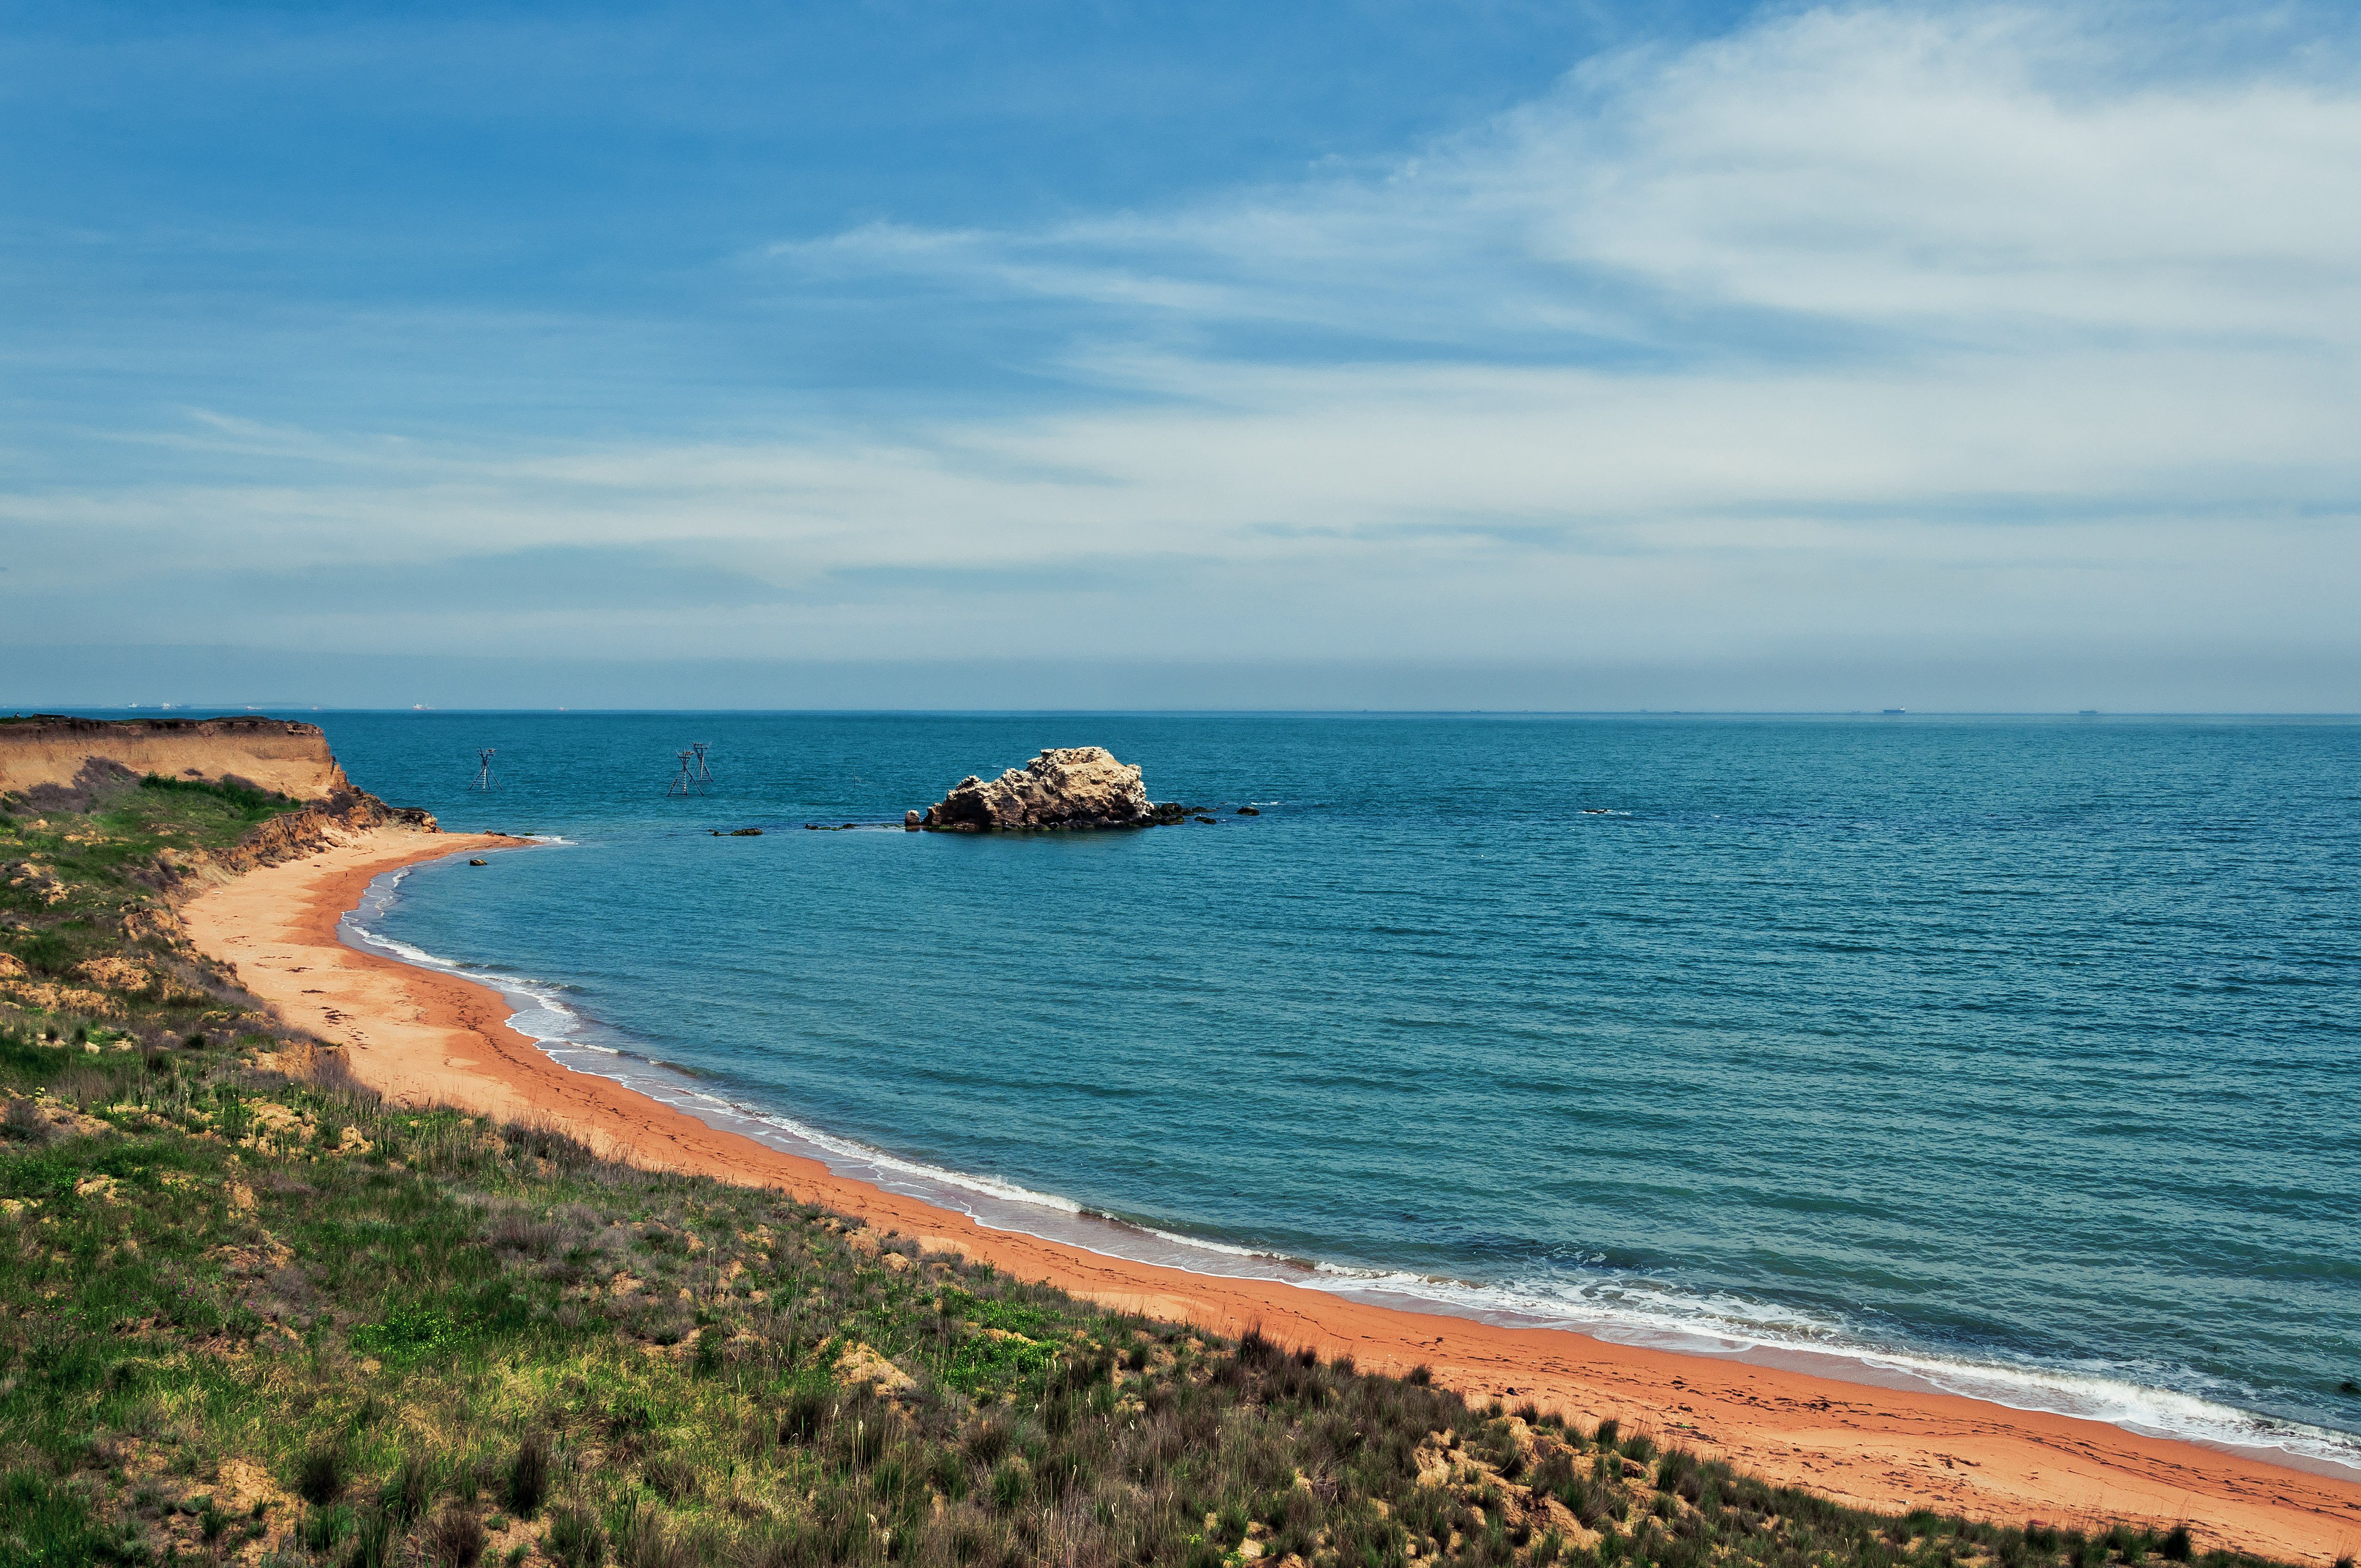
270 754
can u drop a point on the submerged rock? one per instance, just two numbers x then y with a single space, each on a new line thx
1074 786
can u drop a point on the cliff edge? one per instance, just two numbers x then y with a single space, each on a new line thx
50 751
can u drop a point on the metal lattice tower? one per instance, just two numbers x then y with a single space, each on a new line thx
681 781
704 774
483 768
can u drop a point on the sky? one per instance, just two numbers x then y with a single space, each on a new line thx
1324 355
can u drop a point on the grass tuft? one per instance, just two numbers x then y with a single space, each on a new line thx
576 1539
528 1478
320 1471
455 1538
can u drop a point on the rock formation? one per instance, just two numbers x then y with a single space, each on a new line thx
1074 787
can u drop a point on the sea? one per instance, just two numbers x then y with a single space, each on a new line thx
2011 1056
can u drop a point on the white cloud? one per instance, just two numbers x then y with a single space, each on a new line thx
1972 171
1894 326
1981 174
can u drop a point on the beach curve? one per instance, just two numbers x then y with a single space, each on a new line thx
424 1036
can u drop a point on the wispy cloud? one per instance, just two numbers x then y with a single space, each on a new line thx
1983 176
1894 328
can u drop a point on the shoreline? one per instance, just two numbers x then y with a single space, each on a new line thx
419 1034
996 1204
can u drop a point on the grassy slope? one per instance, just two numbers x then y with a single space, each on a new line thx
253 1319
76 886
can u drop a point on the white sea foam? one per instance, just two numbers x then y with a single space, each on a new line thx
1221 1249
862 1157
397 947
1625 1309
1651 1313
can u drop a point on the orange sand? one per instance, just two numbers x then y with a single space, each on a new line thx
418 1037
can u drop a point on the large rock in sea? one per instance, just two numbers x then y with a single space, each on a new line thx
1065 787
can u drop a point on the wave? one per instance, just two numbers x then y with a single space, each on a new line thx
1630 1310
865 1160
1620 1307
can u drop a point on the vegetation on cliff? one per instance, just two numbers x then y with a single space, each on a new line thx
47 758
251 1312
88 941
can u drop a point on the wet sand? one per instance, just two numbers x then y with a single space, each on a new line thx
422 1037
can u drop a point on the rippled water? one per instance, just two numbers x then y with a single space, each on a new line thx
2018 1053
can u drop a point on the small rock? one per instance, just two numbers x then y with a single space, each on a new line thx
1249 811
479 863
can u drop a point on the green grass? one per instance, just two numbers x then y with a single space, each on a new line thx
80 886
242 802
226 1334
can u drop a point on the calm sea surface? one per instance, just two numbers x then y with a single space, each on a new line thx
2017 1054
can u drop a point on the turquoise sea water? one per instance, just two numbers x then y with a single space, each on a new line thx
2017 1055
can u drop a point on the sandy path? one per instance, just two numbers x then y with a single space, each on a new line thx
421 1035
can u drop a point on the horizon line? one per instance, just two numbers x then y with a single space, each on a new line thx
232 710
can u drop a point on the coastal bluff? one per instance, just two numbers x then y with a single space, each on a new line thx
51 762
50 752
1063 789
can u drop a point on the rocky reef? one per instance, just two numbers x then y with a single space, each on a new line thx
1065 787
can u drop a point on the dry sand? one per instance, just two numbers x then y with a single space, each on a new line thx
420 1036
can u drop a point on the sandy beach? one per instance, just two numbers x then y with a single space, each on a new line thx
419 1036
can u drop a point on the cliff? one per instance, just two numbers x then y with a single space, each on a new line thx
50 752
322 824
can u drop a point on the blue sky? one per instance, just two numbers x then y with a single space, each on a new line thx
1320 355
